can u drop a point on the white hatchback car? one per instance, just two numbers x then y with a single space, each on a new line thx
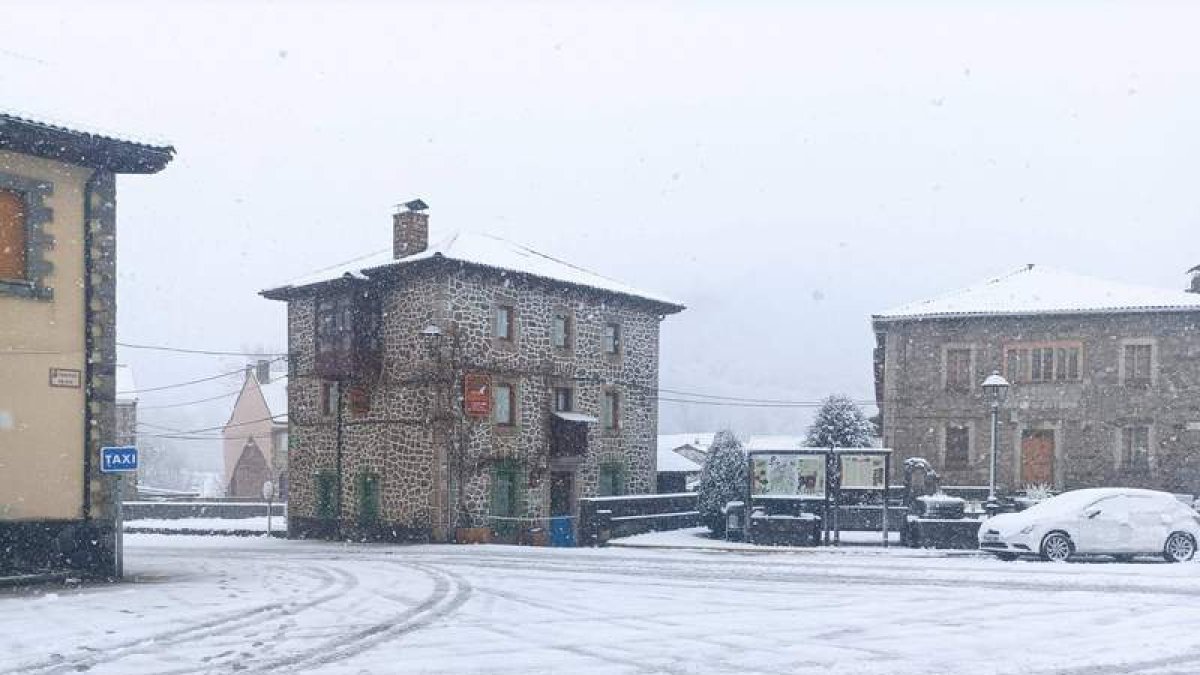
1119 522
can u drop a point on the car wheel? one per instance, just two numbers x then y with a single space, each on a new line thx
1007 557
1057 547
1180 547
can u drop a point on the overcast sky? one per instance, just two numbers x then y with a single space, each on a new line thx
783 169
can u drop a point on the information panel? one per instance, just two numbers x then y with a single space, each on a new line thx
863 471
788 475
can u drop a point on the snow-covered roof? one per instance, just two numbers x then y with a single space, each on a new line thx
774 442
485 251
81 144
670 461
575 417
699 441
126 386
1037 289
275 393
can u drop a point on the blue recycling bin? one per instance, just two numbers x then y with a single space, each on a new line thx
562 533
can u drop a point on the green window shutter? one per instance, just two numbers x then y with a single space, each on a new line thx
502 478
612 480
326 504
368 499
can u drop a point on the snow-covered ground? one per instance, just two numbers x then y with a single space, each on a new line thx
256 524
861 543
224 605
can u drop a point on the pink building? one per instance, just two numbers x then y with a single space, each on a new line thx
255 437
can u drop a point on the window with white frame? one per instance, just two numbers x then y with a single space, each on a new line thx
504 404
1135 448
1138 362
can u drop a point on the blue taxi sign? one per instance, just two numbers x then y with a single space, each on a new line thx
119 459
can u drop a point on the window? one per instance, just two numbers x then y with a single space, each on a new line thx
505 497
560 331
1135 448
958 447
326 495
12 236
504 322
1041 364
562 399
611 341
328 398
959 375
335 325
612 480
1046 362
1138 363
503 405
611 410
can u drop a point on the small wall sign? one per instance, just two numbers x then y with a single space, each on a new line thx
66 378
477 394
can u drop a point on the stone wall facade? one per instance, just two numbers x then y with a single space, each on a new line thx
406 429
1086 421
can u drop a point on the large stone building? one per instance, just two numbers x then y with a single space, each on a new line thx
255 440
472 384
58 340
1105 382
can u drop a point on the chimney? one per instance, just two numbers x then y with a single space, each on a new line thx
1194 286
262 371
410 229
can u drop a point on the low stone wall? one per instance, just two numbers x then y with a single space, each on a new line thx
173 510
37 547
602 518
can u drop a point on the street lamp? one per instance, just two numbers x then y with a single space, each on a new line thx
995 388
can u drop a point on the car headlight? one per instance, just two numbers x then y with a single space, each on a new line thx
1027 529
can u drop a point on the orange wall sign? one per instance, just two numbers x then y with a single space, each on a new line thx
477 391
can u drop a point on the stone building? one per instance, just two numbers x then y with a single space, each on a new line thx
470 384
1105 382
58 340
255 439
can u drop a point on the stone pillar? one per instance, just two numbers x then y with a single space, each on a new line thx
100 286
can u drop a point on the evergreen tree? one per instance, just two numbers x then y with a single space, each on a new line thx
722 480
840 424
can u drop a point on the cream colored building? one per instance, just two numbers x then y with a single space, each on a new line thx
58 339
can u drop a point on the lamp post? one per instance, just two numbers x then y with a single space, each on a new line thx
432 336
995 388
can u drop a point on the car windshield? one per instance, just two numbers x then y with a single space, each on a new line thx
1068 503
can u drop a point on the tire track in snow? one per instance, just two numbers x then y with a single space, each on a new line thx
450 592
335 583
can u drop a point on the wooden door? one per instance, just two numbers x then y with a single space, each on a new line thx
1037 457
249 473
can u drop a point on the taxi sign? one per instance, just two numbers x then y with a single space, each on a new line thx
119 459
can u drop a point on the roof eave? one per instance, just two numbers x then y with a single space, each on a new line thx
82 148
286 293
877 318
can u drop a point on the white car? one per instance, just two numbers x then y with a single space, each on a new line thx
1119 522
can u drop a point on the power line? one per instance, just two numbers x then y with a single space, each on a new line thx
734 404
206 352
187 403
338 265
239 371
